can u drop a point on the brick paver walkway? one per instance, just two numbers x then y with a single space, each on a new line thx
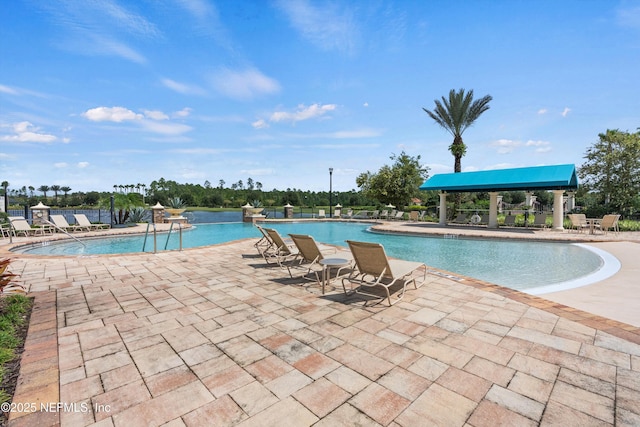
213 336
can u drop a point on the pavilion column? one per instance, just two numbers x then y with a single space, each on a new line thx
493 210
558 210
571 200
443 208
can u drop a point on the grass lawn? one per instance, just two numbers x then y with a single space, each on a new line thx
14 322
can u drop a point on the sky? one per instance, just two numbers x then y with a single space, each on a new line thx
112 92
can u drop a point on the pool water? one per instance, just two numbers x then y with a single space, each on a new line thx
512 263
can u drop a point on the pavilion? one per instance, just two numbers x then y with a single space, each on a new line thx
558 178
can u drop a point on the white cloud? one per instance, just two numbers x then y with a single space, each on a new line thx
60 165
8 90
183 88
302 113
111 114
505 146
542 111
541 146
155 115
245 84
182 113
165 128
26 132
260 124
150 121
566 111
82 165
366 104
325 26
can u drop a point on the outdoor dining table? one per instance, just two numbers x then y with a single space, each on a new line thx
592 224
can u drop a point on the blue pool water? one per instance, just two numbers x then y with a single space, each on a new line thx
512 263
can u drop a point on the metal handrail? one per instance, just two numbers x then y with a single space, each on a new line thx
144 243
168 236
64 231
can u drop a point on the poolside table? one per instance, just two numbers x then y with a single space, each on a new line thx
329 263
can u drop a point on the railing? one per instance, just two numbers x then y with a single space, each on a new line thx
63 231
155 237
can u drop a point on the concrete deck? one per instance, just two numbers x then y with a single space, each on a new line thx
214 336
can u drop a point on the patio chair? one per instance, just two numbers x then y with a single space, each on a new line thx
337 212
579 222
375 214
608 222
540 220
280 251
510 220
321 213
6 230
384 214
399 216
61 223
310 254
348 215
375 269
83 221
20 226
461 219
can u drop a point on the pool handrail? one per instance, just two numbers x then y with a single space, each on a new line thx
64 231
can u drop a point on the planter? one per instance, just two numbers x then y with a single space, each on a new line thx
174 212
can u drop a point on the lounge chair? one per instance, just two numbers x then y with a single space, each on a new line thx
461 219
375 269
61 223
399 216
20 226
281 252
421 215
337 212
540 220
375 214
510 220
310 254
348 215
83 221
321 213
608 222
384 214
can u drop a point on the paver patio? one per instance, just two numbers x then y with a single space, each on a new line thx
214 336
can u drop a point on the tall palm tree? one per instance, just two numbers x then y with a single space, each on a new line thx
55 189
455 115
65 190
44 189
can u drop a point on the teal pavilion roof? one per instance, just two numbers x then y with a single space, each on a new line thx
555 177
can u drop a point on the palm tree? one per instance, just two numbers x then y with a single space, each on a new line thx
65 190
44 189
55 189
5 185
455 115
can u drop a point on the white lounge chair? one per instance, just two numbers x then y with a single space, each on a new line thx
375 269
20 226
61 223
321 213
83 221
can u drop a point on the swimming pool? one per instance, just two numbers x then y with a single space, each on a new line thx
516 264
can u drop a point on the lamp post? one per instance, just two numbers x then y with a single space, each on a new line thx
330 191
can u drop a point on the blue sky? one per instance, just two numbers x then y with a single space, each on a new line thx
104 92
